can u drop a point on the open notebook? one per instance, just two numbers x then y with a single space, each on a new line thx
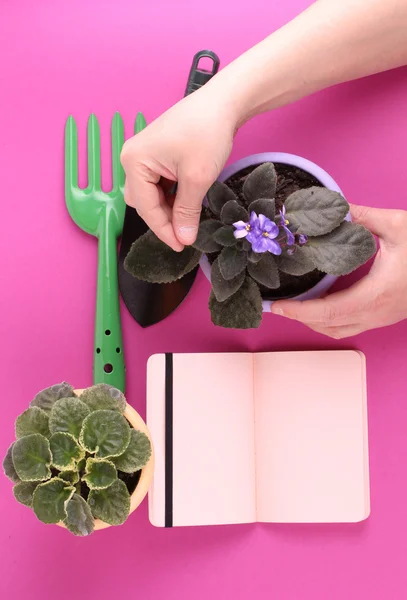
270 437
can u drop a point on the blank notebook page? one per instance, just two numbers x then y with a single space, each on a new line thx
311 437
213 438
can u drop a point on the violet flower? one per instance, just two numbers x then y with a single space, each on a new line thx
260 232
283 224
243 230
302 239
263 237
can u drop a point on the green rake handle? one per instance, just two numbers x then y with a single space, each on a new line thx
108 364
100 214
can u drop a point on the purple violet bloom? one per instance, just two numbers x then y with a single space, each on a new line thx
283 224
260 232
243 229
263 238
302 239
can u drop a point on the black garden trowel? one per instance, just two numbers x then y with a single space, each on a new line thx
150 303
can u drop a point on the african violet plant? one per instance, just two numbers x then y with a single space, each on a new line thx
74 458
251 242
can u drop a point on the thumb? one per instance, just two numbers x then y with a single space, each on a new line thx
381 222
187 209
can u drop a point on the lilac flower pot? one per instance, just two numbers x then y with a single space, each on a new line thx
296 161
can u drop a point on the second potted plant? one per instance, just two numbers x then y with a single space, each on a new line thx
82 459
273 226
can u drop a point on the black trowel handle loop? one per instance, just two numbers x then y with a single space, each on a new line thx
198 77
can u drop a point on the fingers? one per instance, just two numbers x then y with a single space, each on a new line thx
187 208
387 224
324 311
339 333
369 218
323 317
340 309
143 192
149 201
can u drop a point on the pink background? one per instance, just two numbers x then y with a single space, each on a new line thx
79 56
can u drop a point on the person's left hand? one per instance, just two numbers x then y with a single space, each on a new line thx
377 300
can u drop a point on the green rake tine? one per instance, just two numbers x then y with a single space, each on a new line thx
93 153
71 156
117 144
139 124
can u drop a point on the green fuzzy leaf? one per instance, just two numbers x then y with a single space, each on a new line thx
111 505
224 288
224 236
106 433
47 398
32 458
8 466
100 473
244 244
136 455
217 196
79 519
205 240
23 492
315 211
343 250
265 272
232 261
104 397
298 263
50 498
261 183
243 310
65 451
67 416
151 260
233 212
72 477
32 420
263 207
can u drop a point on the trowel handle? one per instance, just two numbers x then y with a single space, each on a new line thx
198 77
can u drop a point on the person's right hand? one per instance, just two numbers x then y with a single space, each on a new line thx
188 144
378 299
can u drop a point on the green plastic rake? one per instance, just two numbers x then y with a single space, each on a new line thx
100 214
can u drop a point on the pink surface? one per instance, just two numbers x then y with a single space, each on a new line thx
76 57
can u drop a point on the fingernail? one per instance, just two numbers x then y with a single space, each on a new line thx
188 234
278 311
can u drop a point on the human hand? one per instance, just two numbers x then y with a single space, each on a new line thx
188 144
377 300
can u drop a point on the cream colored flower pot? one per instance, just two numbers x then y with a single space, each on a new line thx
147 472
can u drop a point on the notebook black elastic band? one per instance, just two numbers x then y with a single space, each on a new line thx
168 438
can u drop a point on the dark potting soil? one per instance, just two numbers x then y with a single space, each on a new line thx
131 480
289 180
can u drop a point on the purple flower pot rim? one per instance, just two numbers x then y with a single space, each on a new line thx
296 161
